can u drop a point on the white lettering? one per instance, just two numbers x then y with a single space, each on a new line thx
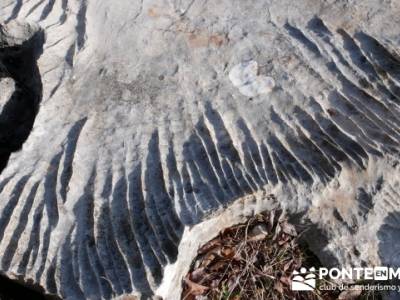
394 273
368 273
347 274
332 271
323 272
358 273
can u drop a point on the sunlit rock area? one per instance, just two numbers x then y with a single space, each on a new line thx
133 131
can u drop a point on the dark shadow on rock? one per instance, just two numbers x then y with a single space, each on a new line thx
389 240
19 63
389 245
12 290
315 239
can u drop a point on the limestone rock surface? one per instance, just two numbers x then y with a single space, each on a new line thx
125 143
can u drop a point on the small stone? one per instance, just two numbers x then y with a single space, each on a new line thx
259 232
245 77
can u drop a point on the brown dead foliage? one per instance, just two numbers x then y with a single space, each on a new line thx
254 260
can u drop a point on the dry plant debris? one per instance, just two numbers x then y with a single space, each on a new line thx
254 260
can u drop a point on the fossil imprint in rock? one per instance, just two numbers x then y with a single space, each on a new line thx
143 148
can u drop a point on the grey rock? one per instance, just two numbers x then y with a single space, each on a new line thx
7 87
131 146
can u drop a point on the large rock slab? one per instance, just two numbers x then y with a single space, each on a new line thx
141 128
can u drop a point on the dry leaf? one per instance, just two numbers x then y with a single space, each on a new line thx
208 260
214 283
283 239
289 229
197 274
209 246
259 229
286 280
278 287
287 266
195 288
258 237
227 252
219 265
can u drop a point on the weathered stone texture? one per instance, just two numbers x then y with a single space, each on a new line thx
141 139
